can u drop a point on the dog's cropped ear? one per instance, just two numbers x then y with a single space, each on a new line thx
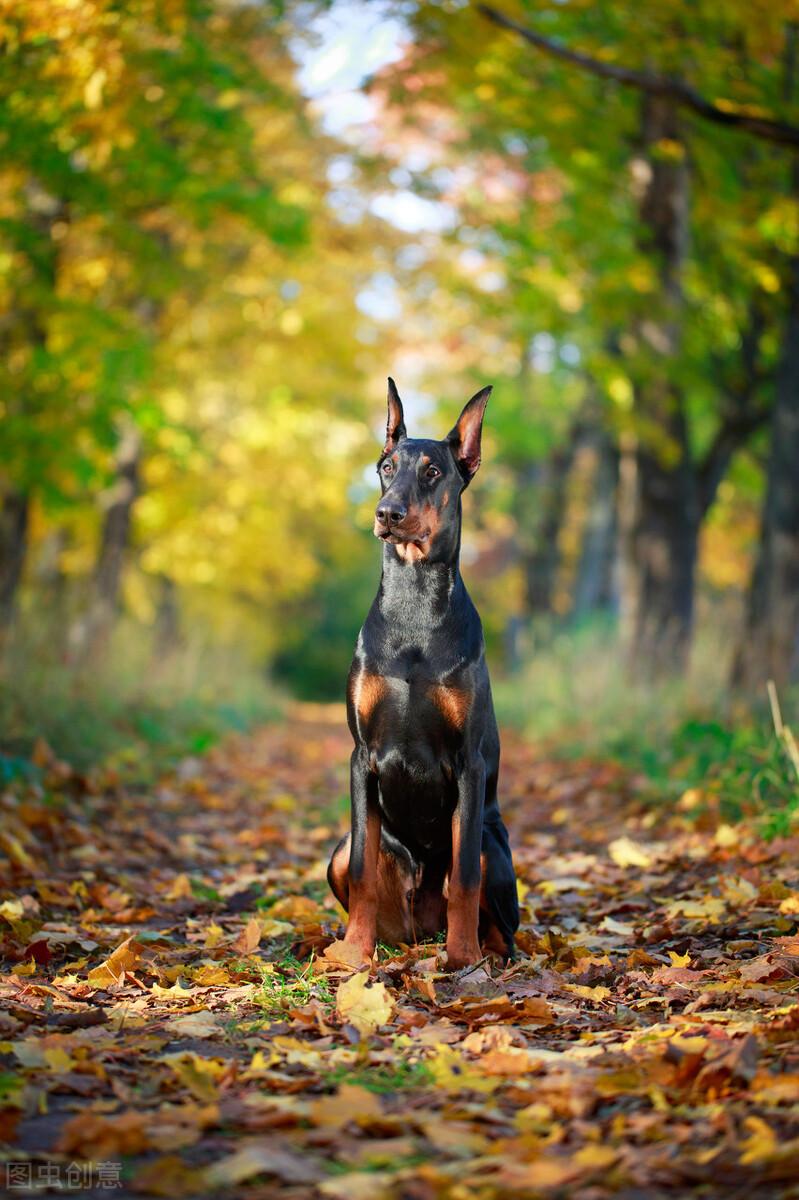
464 438
395 425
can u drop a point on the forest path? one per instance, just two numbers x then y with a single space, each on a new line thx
165 1030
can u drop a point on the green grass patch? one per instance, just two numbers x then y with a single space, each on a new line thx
574 698
131 711
287 983
383 1079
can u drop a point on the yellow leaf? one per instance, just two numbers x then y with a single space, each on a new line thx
726 836
180 888
198 1024
213 936
270 928
739 890
93 90
197 1074
610 925
452 1072
212 975
762 1143
627 853
124 958
679 960
176 992
709 908
342 954
594 1157
350 1103
57 1059
257 1159
248 939
364 1007
595 994
260 1063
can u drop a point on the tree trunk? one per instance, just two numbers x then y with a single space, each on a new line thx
594 586
769 647
543 492
13 545
90 634
661 541
167 618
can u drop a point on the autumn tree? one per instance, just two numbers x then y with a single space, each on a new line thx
169 336
637 235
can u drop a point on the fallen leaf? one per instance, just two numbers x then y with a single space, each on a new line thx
125 958
258 1159
92 1136
627 853
349 1103
366 1007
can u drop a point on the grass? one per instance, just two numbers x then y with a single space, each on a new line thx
384 1080
687 735
288 983
132 711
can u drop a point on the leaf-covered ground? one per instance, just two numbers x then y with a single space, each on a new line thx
175 1020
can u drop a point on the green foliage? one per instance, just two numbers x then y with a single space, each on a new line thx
679 739
384 1080
287 983
131 715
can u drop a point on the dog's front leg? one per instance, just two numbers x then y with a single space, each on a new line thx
463 905
362 924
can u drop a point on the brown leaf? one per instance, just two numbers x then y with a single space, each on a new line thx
92 1136
112 972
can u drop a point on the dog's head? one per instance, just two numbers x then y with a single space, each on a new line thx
421 480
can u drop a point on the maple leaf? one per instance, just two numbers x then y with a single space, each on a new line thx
343 954
366 1007
95 1136
113 970
350 1103
249 938
627 853
257 1159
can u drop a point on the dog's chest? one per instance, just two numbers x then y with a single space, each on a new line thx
411 705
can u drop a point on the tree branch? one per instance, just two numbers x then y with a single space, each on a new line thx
765 128
744 416
733 433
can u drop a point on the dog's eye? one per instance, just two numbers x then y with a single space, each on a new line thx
432 473
387 468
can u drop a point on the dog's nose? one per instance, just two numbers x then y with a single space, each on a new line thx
390 514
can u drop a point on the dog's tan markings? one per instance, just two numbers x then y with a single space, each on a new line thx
410 552
463 909
432 520
426 459
453 704
367 692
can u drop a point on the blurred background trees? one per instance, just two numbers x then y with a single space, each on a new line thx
209 261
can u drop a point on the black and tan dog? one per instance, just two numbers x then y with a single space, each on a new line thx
428 851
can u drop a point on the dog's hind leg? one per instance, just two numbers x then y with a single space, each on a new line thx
499 903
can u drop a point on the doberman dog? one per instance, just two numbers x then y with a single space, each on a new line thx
428 850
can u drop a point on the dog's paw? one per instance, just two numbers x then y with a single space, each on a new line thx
459 957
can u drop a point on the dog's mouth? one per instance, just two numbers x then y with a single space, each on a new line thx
396 536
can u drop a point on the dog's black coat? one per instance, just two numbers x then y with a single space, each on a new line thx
421 714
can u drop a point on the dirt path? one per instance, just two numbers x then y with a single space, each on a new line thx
172 1026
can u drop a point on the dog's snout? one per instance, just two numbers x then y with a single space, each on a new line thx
391 514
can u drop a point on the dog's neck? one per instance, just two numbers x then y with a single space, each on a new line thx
424 585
